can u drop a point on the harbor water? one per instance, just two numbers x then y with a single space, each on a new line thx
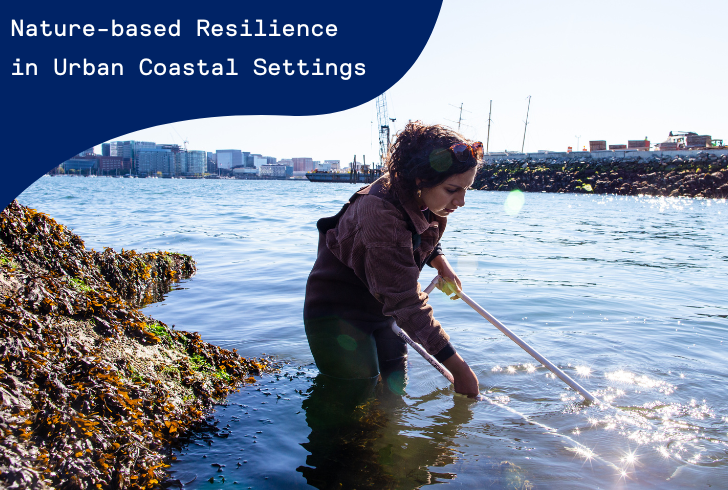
626 294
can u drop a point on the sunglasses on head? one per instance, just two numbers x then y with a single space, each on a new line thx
464 151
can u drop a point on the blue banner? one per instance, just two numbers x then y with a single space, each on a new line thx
80 73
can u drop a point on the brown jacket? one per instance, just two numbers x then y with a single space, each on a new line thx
368 265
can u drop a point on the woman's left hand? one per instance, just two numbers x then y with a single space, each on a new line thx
445 270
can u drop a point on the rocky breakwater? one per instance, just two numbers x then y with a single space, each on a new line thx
704 176
93 393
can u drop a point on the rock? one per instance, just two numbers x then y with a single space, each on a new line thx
84 367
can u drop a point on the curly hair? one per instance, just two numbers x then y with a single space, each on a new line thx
423 152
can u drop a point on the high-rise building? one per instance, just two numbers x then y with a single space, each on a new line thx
228 159
177 152
303 164
259 161
150 161
128 149
105 149
116 149
196 162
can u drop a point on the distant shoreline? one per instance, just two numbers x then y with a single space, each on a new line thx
704 175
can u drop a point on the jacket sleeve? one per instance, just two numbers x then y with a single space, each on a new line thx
437 251
376 243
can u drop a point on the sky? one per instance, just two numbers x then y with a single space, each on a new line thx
614 71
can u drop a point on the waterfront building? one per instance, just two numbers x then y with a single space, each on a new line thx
179 161
195 163
151 161
107 164
333 164
302 164
229 159
259 161
105 149
273 170
80 165
245 172
128 150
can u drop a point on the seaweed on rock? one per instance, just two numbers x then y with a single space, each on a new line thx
92 391
705 176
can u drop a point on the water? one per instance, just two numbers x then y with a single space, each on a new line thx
625 294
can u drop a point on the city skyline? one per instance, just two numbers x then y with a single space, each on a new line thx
617 73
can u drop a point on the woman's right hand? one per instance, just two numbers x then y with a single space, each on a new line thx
466 382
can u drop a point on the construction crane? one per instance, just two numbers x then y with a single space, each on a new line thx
185 141
383 125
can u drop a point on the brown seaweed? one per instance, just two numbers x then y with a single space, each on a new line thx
92 391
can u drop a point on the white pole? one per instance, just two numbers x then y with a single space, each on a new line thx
434 362
523 345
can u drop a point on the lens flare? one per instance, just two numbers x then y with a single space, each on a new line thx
514 202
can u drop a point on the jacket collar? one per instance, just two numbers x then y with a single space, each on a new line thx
410 207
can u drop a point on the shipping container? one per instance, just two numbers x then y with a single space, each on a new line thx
638 144
599 145
617 147
698 141
667 145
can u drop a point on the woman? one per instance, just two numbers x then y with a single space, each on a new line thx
371 253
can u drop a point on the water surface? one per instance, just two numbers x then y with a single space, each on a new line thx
626 294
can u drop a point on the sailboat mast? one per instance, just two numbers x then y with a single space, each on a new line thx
487 141
523 145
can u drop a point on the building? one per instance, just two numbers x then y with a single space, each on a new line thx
177 152
151 161
128 150
116 149
105 149
229 159
195 163
252 158
258 161
107 164
273 171
245 173
333 164
80 165
302 164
